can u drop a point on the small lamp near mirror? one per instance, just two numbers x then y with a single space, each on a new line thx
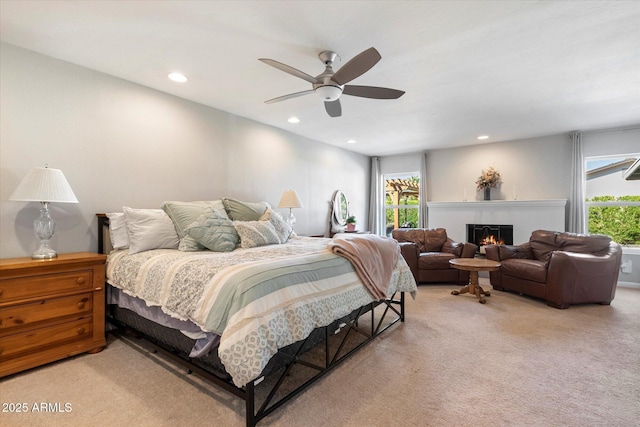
290 200
44 185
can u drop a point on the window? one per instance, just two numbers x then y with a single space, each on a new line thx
402 200
613 202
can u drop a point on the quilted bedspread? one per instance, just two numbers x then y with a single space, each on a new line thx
258 300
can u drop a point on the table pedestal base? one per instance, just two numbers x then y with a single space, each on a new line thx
473 288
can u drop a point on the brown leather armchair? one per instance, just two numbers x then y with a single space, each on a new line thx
428 251
561 268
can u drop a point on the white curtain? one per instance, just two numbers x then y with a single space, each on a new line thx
376 205
577 223
422 222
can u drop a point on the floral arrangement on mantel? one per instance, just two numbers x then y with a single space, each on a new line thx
489 179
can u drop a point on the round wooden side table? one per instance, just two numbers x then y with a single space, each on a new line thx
473 265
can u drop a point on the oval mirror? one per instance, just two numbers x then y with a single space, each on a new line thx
340 208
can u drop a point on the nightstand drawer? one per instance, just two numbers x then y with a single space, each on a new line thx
14 345
46 284
27 314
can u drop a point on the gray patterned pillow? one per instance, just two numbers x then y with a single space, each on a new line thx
213 231
256 233
283 229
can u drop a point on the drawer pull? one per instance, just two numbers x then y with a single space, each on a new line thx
81 305
80 280
80 331
0 292
0 350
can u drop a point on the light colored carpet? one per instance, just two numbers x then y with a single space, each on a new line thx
514 361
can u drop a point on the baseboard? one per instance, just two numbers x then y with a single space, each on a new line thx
634 285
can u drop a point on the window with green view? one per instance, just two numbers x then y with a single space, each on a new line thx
402 201
613 203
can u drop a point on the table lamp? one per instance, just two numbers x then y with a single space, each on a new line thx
290 200
44 185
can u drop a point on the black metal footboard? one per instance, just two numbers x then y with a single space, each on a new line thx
280 381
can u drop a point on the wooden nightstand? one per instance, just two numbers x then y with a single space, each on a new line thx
50 309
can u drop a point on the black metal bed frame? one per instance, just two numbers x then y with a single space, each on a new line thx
353 324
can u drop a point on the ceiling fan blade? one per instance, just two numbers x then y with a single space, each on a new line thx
334 109
372 92
288 69
357 66
291 95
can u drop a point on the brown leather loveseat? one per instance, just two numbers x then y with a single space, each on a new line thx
428 251
561 268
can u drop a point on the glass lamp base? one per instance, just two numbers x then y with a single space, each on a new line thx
44 228
44 251
291 220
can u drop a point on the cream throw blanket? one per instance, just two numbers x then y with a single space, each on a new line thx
373 257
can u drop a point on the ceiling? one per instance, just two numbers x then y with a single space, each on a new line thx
507 69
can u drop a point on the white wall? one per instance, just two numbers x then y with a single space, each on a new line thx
119 143
400 164
609 142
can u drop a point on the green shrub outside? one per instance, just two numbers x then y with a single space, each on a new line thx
622 223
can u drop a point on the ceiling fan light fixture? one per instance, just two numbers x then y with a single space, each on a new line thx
328 93
329 86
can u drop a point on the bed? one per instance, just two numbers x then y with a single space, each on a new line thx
261 320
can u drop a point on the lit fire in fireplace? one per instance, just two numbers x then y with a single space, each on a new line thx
489 240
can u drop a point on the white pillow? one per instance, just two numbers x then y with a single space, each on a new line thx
149 229
118 230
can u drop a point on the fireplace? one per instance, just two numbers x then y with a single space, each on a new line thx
489 234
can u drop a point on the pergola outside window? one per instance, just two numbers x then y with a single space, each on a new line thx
402 201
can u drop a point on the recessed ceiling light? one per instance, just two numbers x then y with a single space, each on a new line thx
177 77
483 137
293 119
351 141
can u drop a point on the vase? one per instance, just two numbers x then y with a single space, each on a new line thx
487 194
351 227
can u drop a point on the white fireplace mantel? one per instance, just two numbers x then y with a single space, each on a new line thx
525 216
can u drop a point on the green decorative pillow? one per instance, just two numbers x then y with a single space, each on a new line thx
183 214
256 233
244 211
213 231
283 229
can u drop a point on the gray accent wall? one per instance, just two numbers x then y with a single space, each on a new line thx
123 144
536 168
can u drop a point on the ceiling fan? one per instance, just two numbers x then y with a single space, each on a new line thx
330 85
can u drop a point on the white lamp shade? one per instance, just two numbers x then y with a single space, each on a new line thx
290 199
44 185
